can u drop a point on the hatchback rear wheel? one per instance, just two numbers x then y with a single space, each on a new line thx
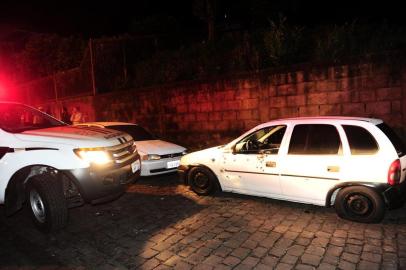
361 204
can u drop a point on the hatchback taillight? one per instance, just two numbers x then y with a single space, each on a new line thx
394 173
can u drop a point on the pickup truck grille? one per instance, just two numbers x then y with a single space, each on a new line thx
123 152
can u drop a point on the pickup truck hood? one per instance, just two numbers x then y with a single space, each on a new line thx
77 136
158 147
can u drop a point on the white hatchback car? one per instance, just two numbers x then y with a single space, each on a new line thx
356 164
157 156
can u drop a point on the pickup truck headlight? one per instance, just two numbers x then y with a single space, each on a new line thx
93 155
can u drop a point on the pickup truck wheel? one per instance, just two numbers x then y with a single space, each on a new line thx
202 181
46 203
360 204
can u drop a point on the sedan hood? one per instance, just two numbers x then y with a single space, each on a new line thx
77 136
158 147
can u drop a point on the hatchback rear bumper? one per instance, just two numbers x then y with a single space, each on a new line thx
395 196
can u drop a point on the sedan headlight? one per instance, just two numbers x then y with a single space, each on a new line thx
154 157
94 155
151 157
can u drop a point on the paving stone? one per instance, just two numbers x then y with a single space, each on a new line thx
289 259
304 267
164 255
240 253
389 266
310 259
277 252
259 252
231 261
201 267
222 267
336 241
291 235
371 257
296 250
150 264
315 250
262 266
303 241
222 251
334 250
283 266
269 261
330 259
326 266
365 265
353 249
213 260
354 258
148 254
344 265
250 261
372 249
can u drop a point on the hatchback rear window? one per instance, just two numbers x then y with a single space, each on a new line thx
394 138
360 140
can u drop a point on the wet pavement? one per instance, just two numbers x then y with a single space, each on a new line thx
159 224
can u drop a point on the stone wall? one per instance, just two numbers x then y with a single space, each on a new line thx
200 114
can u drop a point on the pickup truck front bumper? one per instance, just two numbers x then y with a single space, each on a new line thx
99 184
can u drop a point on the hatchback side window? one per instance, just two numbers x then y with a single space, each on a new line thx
360 140
315 139
266 140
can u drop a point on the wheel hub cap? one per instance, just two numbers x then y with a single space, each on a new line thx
201 180
358 204
37 206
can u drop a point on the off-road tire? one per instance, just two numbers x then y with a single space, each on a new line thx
46 203
202 181
361 204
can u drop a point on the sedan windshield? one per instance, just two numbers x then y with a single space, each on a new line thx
138 133
17 118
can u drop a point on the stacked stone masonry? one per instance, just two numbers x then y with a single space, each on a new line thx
200 114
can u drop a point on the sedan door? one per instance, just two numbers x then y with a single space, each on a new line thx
252 167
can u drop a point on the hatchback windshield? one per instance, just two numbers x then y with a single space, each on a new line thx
138 133
17 118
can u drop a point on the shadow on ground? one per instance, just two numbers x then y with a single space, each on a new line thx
107 235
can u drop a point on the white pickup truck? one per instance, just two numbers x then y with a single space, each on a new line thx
53 166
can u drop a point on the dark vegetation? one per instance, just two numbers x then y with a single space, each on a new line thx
221 40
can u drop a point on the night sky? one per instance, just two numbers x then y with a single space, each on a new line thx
97 18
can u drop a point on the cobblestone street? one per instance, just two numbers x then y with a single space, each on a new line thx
159 224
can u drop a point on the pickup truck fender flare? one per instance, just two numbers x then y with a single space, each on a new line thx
15 191
379 187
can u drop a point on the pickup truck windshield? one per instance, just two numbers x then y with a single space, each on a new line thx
16 118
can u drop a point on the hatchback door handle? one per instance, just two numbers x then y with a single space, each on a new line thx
333 168
271 164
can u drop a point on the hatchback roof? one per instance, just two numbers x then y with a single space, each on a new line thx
374 121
